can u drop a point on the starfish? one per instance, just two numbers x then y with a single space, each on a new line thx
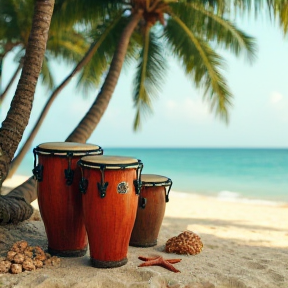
159 261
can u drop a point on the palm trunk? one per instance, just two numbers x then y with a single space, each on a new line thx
90 121
26 146
3 95
19 113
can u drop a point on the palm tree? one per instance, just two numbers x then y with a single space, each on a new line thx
188 29
15 22
16 208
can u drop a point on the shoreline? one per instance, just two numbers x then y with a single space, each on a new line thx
225 196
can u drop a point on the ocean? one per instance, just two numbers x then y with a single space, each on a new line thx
249 175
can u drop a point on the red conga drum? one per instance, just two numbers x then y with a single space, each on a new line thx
110 187
58 195
152 203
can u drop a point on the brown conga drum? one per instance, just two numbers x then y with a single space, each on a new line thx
110 187
152 203
58 195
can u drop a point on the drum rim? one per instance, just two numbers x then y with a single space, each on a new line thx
131 165
167 182
44 151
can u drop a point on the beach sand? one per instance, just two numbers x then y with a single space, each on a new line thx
245 245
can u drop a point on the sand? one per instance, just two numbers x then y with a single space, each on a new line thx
245 245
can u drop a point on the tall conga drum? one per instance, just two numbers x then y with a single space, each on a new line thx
110 187
59 199
151 209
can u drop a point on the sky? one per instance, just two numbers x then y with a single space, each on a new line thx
258 118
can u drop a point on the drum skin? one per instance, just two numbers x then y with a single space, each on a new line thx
148 220
60 207
109 221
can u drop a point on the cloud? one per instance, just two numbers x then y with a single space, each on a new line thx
276 97
279 105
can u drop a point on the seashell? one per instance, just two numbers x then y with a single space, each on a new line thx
185 243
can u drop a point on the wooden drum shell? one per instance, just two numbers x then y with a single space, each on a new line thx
109 220
60 206
148 220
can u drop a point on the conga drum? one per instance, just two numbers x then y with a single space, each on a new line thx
59 198
110 187
152 203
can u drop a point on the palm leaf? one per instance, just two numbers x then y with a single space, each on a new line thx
149 76
200 62
46 75
212 27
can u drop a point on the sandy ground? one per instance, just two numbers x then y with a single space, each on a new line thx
245 246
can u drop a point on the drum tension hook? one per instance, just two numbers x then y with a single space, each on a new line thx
138 182
102 187
69 174
142 202
38 172
38 169
83 185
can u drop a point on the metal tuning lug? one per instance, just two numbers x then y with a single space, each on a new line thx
138 186
69 173
38 172
102 189
142 202
83 185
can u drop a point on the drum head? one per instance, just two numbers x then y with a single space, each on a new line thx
154 179
64 147
110 162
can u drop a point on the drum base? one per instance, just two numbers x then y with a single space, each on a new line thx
68 253
108 264
144 245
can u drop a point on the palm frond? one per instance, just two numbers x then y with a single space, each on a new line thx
106 38
149 76
211 27
46 75
200 62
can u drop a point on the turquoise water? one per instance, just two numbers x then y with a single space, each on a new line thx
227 173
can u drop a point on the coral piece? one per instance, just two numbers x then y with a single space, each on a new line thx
28 265
38 263
19 246
4 266
185 243
22 257
10 255
28 253
48 256
19 258
55 261
16 268
159 261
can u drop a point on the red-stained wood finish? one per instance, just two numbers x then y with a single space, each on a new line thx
148 220
109 221
60 206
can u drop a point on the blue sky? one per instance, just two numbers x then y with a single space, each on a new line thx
258 118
